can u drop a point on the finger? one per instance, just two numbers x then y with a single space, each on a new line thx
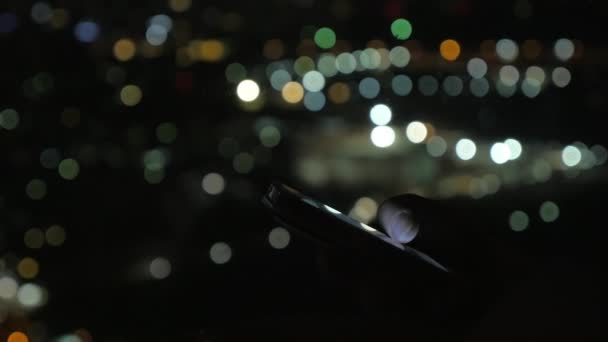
402 217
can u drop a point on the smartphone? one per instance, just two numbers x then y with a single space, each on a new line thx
303 214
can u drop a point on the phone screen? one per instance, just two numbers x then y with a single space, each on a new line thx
347 219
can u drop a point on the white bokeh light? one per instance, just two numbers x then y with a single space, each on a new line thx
380 114
382 136
30 295
500 153
248 90
477 67
571 156
563 49
466 149
313 81
507 50
416 132
160 268
213 183
220 253
515 148
279 238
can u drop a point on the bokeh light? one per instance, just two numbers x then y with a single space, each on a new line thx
279 79
346 63
416 132
477 67
17 336
274 49
339 93
563 49
428 85
399 56
519 221
166 132
30 295
28 268
452 85
41 12
213 183
369 87
159 268
505 90
549 211
55 235
479 87
86 31
124 49
466 149
220 253
313 81
561 77
235 72
370 59
530 88
8 287
449 49
401 29
248 90
9 119
303 64
279 238
380 114
180 5
436 146
327 65
515 148
382 136
600 153
571 156
364 210
49 158
270 136
33 238
131 95
36 189
325 38
536 73
292 92
509 75
500 153
402 85
243 162
314 101
507 50
68 169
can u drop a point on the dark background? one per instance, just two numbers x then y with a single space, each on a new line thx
98 285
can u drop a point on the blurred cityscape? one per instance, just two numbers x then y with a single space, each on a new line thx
136 138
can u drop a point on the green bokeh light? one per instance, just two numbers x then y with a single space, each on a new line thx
401 29
69 169
325 38
549 211
519 221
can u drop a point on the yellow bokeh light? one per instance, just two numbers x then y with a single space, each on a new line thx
124 49
28 268
130 95
449 49
211 50
292 92
180 5
17 336
339 93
